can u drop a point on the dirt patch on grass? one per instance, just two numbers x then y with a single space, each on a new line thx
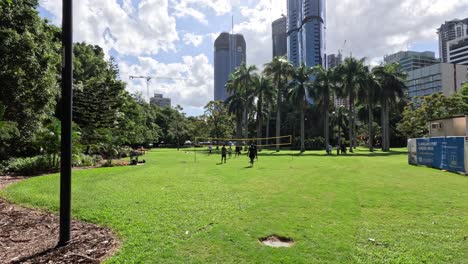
30 236
277 241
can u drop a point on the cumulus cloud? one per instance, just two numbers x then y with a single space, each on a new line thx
193 86
371 28
193 39
145 28
376 28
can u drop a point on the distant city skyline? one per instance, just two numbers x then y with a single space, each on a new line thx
175 38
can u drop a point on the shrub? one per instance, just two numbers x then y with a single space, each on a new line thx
317 143
82 160
29 166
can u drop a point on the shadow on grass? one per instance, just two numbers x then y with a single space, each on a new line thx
358 153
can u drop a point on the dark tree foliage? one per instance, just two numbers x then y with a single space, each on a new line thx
29 49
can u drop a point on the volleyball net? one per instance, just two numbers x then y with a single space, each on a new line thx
260 142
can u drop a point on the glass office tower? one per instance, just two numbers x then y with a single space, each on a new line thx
306 32
229 53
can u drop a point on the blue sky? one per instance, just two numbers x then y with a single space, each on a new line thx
175 37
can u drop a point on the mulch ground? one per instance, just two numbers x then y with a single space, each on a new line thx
30 236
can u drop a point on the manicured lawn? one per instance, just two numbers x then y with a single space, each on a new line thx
348 209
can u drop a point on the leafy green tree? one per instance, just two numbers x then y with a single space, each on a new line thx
29 49
99 97
219 121
299 87
279 70
8 130
417 115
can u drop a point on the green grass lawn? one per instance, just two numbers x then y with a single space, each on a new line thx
350 209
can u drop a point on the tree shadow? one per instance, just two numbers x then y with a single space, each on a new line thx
356 153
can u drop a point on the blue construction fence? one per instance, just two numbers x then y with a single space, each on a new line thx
445 153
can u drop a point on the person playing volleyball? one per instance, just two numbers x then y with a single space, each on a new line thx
252 151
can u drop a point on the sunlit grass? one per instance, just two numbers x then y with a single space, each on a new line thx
362 208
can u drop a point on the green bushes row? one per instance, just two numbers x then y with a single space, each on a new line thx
43 164
317 143
28 166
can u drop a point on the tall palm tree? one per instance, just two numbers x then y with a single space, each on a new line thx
352 74
236 105
299 87
322 88
392 82
264 94
243 81
368 94
279 70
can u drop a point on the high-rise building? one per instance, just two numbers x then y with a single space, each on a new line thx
279 36
443 78
457 50
159 100
334 60
229 53
448 31
412 60
306 32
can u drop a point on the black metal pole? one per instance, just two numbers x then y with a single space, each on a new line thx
66 144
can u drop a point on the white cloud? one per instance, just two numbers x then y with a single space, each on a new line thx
182 10
257 29
194 90
379 27
193 39
146 28
220 7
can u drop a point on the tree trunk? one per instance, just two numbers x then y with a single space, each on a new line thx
278 120
245 123
268 126
259 120
327 127
371 133
351 123
239 126
387 127
302 130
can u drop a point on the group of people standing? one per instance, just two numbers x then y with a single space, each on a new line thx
252 152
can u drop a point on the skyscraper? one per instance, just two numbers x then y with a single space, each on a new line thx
334 60
279 36
412 60
306 32
448 31
229 53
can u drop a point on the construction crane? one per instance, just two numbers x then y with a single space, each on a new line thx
149 78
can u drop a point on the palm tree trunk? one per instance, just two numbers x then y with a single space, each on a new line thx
239 126
302 130
351 123
387 127
245 123
385 134
371 133
327 126
268 126
278 120
259 120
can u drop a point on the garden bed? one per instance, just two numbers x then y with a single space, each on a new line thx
30 236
